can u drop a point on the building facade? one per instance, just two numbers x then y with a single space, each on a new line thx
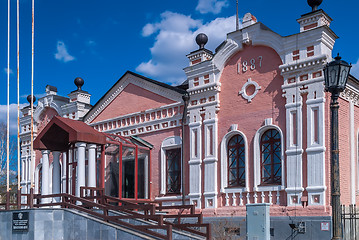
256 129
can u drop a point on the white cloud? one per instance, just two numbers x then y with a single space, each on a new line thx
211 6
90 43
12 116
175 38
62 54
38 95
355 69
11 71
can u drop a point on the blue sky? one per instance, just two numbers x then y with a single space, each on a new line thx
100 40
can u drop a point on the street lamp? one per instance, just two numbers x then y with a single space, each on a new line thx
335 76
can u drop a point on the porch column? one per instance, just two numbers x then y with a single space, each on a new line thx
81 180
64 166
45 175
56 181
91 165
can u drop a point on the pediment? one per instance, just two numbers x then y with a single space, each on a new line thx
133 93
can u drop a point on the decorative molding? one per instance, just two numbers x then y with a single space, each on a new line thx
243 92
304 64
121 85
151 120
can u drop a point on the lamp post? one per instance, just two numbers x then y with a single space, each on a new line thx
335 76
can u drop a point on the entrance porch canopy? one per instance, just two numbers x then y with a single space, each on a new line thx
124 162
60 132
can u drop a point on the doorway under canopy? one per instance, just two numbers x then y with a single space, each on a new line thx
127 167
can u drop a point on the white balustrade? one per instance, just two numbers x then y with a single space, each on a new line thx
241 198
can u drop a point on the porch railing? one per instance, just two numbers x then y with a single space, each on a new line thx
94 202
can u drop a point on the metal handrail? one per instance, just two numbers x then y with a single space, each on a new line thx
94 202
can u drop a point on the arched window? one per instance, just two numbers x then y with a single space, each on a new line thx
271 165
236 162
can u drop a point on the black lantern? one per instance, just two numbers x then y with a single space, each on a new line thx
336 75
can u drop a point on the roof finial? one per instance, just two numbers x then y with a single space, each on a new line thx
79 82
201 40
314 4
29 98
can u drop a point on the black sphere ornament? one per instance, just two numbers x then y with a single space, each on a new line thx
29 99
314 4
79 82
201 40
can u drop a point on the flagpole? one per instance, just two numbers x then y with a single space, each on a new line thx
32 100
18 94
237 19
8 98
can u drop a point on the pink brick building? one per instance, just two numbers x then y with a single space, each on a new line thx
257 127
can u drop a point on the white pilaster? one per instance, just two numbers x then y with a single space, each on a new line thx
352 152
316 144
45 175
195 161
91 180
294 150
56 175
81 180
210 157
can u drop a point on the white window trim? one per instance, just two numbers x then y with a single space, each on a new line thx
168 143
257 160
224 163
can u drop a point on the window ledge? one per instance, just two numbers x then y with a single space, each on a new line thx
235 189
170 197
266 188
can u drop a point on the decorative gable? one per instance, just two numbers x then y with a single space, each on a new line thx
133 93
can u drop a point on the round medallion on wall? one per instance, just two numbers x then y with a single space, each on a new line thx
249 90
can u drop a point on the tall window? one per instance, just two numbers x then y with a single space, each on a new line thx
173 162
271 165
236 162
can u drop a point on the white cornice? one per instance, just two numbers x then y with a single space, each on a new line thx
303 64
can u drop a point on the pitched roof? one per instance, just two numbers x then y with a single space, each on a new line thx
60 132
179 90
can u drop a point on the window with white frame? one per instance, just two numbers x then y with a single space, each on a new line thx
268 157
234 162
171 168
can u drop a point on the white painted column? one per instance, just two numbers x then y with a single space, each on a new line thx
91 180
45 175
64 166
210 157
23 179
71 158
195 161
81 168
56 175
352 153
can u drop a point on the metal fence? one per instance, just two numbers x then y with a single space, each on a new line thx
350 222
